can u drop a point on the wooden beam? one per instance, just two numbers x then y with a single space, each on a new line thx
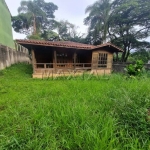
55 58
33 60
74 58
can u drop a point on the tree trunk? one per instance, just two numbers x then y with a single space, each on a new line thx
123 55
34 25
117 57
127 55
104 36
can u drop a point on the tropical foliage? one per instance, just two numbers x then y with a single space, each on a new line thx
67 31
34 17
125 23
97 20
129 24
141 54
135 69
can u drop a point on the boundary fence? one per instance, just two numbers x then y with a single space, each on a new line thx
119 67
9 56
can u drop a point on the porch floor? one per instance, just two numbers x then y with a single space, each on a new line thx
54 73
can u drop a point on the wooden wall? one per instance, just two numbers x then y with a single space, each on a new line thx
95 57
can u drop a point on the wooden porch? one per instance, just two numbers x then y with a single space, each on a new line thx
47 70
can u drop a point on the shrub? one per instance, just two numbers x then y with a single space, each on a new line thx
135 69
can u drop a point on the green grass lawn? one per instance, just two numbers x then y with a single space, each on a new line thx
106 114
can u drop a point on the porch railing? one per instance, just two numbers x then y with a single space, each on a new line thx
73 66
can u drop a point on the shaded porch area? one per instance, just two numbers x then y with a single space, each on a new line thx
60 58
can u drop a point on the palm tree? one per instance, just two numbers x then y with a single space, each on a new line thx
98 18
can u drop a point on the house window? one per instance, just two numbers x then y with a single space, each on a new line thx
102 60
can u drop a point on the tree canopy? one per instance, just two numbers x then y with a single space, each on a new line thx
36 19
34 16
140 54
125 23
129 24
97 20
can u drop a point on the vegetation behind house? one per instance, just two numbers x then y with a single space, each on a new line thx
124 23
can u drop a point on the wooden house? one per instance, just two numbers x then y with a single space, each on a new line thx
65 57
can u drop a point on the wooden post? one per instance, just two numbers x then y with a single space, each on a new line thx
55 59
52 74
74 58
44 66
33 60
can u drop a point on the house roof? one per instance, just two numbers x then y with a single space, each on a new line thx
110 45
68 44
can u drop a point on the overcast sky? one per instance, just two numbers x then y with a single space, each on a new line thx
71 10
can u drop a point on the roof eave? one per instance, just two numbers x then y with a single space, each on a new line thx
63 46
117 49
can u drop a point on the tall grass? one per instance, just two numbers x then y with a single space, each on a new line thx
73 114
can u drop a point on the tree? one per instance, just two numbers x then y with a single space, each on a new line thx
50 36
65 31
126 23
129 24
34 16
141 54
97 20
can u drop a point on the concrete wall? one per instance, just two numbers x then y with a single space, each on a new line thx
9 56
6 37
120 67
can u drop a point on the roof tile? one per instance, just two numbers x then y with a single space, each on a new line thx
66 44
